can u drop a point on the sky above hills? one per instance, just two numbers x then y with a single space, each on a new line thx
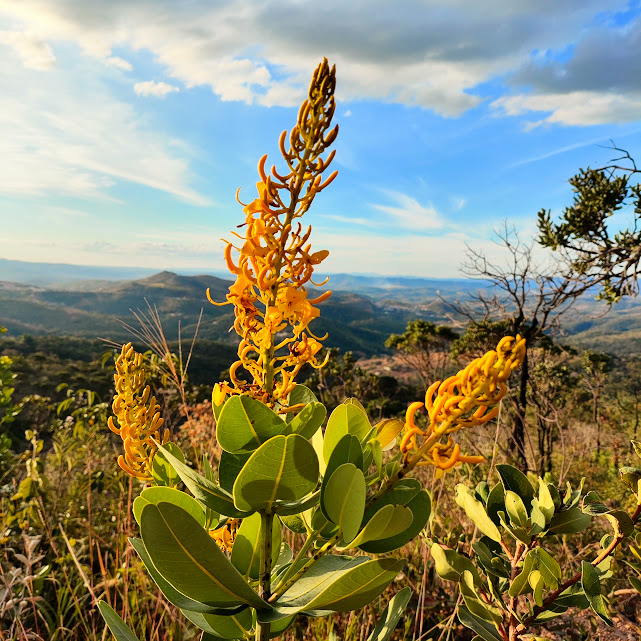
127 126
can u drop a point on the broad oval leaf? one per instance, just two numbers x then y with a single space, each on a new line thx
569 522
345 419
450 565
344 499
168 495
346 588
206 492
229 468
421 507
347 450
245 555
308 420
515 481
475 511
515 509
245 424
285 468
592 588
475 603
171 594
186 556
389 521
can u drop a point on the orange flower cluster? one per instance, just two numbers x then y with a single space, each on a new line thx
138 415
275 260
469 398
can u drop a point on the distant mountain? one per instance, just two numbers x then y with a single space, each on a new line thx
355 322
44 274
359 322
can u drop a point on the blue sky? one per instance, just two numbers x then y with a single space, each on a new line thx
128 126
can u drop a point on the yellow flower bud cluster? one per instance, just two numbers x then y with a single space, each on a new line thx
469 398
275 260
137 413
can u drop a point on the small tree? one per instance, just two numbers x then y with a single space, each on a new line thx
596 366
425 347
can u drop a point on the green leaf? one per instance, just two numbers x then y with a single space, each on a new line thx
496 503
449 564
245 424
114 622
389 521
168 495
234 626
317 443
229 468
537 519
392 613
186 556
569 522
475 604
294 522
171 594
549 568
484 629
592 588
344 499
421 507
340 584
345 419
245 555
301 395
520 584
347 450
206 492
400 494
515 509
285 468
635 583
476 512
545 502
162 470
515 481
377 453
308 420
621 522
537 583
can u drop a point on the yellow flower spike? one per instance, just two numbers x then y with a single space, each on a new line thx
465 400
275 259
138 415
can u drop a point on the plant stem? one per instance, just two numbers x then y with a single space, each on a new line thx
283 587
575 579
311 537
265 542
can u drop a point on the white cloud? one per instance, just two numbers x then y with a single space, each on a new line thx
408 213
426 53
32 51
153 88
118 63
575 108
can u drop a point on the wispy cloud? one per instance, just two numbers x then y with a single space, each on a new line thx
33 52
408 213
153 88
57 148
